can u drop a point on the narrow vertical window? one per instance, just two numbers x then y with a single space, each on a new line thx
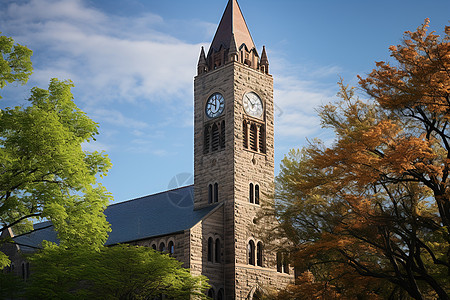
217 251
256 193
245 134
279 262
210 249
251 195
23 271
259 254
285 264
162 247
215 138
206 140
27 268
251 253
171 248
222 134
220 295
210 193
262 139
211 293
216 192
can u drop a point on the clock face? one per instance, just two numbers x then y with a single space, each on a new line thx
253 105
215 105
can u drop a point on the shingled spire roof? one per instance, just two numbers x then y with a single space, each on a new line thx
232 22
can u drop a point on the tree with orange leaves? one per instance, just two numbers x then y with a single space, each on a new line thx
370 215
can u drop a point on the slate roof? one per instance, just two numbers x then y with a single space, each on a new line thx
154 215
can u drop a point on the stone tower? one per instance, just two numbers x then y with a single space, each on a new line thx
234 151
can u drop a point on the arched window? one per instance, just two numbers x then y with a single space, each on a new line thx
216 192
220 295
217 251
171 247
222 134
211 293
253 193
210 193
162 247
251 253
206 139
154 246
282 263
215 137
210 249
254 136
259 254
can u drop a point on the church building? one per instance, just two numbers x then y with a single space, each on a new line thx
212 226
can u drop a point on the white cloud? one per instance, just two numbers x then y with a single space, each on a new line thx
110 58
116 118
296 101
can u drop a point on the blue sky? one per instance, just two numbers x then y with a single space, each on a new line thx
133 64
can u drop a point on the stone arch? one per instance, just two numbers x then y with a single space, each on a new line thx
256 293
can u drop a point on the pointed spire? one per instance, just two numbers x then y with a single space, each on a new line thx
202 65
233 52
264 61
232 22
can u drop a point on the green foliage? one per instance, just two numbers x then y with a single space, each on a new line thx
11 286
46 173
15 62
118 272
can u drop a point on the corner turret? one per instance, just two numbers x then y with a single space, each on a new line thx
264 63
202 66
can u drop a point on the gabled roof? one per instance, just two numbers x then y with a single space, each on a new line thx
232 22
29 242
154 215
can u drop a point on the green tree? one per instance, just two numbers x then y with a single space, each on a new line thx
15 62
117 272
46 174
375 205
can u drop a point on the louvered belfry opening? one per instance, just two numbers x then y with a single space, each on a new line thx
214 136
222 134
262 139
206 139
254 136
245 134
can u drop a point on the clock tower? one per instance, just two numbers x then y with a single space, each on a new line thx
234 153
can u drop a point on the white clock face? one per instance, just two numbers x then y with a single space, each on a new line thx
215 105
253 105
